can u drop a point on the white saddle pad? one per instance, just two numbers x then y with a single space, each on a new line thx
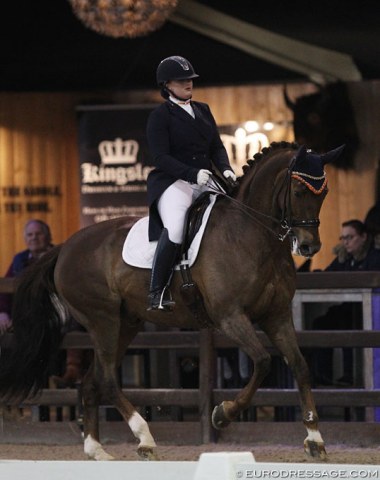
139 252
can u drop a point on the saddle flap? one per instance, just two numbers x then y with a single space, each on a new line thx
139 252
194 219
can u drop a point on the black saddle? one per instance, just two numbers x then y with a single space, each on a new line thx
196 211
194 219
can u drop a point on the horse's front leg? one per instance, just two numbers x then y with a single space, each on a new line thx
283 336
240 330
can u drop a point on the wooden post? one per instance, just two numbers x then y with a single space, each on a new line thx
207 369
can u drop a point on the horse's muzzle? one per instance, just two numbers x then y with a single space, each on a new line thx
307 250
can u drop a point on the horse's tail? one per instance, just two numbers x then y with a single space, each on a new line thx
37 319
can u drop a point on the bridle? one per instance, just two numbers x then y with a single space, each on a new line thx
287 222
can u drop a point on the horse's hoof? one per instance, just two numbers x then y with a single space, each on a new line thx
95 451
315 450
147 453
101 456
218 418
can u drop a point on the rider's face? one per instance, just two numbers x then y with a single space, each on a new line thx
181 88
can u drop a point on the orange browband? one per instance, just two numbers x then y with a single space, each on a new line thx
310 187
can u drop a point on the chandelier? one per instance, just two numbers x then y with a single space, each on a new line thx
123 18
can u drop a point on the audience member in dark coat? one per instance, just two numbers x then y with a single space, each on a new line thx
356 252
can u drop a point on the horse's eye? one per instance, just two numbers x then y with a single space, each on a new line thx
297 193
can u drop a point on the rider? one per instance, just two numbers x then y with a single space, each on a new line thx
185 145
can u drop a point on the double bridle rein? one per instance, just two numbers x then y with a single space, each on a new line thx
287 221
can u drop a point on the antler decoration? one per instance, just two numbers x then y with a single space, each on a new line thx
123 18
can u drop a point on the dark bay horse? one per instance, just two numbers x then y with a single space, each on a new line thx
244 271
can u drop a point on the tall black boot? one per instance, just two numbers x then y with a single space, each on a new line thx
163 262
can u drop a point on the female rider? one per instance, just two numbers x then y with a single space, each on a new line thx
185 146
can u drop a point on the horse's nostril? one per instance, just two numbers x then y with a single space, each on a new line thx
308 250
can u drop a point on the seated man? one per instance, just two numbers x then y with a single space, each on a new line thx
38 241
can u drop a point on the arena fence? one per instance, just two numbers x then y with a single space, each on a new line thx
207 343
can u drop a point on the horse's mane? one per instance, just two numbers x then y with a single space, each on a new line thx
259 157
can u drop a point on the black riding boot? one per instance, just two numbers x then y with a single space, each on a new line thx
163 263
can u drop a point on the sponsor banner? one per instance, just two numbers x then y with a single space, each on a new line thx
114 161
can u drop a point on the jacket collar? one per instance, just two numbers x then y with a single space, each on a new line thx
200 123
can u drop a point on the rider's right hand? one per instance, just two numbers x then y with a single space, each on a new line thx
203 177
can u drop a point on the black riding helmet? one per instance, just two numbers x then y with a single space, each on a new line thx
173 68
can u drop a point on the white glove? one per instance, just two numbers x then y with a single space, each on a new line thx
5 322
203 176
229 174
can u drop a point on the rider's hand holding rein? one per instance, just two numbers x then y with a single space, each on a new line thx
229 174
203 177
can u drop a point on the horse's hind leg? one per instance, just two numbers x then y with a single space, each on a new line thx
135 421
101 384
239 329
283 336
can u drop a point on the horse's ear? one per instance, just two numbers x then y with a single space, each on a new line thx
300 156
332 155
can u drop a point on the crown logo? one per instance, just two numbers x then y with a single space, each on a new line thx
242 146
118 151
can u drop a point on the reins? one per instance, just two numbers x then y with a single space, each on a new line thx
244 208
287 223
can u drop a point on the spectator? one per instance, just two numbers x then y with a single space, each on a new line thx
38 241
356 252
37 238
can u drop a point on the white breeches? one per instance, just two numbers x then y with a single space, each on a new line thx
173 205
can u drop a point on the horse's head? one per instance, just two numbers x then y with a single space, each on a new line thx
303 198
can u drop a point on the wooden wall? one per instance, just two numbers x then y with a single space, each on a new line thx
38 148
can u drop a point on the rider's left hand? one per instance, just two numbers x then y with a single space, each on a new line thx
229 174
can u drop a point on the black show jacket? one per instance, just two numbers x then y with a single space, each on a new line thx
180 146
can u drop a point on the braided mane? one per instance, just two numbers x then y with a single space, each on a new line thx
266 151
260 156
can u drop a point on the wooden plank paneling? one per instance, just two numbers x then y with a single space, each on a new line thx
38 147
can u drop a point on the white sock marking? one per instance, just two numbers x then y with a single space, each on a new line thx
314 436
94 450
141 431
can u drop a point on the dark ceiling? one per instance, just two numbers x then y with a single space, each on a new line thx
44 47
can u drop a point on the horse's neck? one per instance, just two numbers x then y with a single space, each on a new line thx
261 188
